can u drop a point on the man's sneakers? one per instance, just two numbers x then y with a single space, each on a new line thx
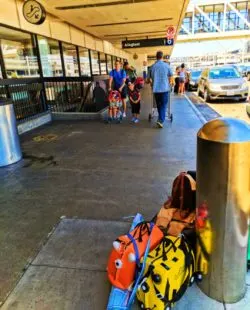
159 124
124 114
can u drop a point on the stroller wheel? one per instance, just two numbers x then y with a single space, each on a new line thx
171 118
149 117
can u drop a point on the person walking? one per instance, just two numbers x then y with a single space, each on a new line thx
130 72
160 76
182 79
118 76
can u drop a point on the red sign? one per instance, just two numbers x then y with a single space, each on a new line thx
171 30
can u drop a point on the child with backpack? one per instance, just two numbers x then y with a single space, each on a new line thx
135 101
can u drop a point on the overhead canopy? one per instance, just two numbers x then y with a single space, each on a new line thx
119 20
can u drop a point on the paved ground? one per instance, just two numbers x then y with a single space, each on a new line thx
91 171
237 110
69 272
224 108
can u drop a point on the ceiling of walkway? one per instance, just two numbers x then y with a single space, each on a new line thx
118 20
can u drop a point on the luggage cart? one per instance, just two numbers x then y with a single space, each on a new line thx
154 108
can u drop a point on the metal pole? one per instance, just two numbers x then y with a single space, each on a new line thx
10 150
223 207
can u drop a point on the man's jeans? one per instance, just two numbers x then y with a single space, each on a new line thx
161 103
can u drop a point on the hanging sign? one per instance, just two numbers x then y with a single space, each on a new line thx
171 31
147 43
34 12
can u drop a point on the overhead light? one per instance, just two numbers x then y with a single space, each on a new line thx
132 34
133 22
102 4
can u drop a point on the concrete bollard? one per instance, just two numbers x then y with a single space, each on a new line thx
223 207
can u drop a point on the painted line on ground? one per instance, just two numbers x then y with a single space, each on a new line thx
197 112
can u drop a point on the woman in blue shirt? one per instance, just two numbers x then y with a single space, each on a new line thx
118 76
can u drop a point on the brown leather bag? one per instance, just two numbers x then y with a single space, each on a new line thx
183 193
178 212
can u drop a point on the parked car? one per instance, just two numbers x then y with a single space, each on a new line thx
244 70
222 83
241 68
247 72
194 78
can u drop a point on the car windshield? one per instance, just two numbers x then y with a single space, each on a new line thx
195 74
223 73
241 68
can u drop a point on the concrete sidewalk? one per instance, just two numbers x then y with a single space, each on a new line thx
91 171
69 272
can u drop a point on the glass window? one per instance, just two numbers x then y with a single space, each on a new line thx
84 61
113 61
70 60
109 63
50 57
18 53
103 63
95 62
224 73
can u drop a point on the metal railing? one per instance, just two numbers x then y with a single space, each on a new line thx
33 96
27 96
76 94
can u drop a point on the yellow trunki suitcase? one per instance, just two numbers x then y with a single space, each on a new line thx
169 271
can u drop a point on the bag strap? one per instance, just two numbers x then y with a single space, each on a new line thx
140 273
192 181
137 258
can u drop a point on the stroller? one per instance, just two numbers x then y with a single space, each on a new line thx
115 104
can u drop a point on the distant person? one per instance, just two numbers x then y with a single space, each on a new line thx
160 75
177 78
145 69
187 80
130 72
135 101
118 76
182 79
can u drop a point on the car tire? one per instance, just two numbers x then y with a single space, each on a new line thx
206 96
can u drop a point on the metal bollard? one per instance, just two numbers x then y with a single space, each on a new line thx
223 207
10 151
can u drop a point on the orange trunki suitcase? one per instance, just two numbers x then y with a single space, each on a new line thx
124 259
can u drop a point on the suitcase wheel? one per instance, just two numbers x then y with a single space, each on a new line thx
199 277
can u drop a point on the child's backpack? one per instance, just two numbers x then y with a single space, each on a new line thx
172 222
127 252
169 271
183 195
178 212
139 83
